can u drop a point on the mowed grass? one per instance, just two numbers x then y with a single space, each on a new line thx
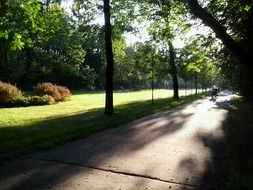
29 129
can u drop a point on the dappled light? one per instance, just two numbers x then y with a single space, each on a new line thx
174 147
126 94
33 132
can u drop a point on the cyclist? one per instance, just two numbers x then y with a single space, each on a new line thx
214 92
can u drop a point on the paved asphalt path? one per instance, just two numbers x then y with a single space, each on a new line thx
168 150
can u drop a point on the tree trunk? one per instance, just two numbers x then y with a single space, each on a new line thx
173 71
196 84
185 87
152 81
3 49
3 58
109 59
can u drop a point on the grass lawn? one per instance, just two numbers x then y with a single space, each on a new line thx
236 169
29 129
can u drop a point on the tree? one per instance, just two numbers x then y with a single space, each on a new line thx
221 31
109 59
16 23
33 47
198 60
173 71
166 23
236 17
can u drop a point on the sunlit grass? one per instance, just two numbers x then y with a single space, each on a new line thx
80 102
25 130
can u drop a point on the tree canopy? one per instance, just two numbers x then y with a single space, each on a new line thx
38 39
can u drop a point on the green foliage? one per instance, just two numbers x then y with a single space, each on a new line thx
9 93
35 39
74 77
119 46
135 69
198 63
38 39
233 14
17 20
40 100
231 20
59 93
26 101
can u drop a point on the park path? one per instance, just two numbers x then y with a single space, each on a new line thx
168 150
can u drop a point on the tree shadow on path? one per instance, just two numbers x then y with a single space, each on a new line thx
228 168
47 169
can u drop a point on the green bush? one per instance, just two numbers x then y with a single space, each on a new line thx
8 93
30 101
59 93
20 102
41 100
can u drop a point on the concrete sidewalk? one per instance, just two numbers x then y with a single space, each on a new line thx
166 150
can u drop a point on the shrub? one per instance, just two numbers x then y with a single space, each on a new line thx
32 101
47 88
20 102
8 93
41 100
59 93
64 93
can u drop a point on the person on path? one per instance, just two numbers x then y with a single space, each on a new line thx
214 92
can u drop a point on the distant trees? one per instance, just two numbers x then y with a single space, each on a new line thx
197 61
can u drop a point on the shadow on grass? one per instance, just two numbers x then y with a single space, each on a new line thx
95 150
44 134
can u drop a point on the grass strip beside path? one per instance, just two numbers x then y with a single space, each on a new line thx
24 136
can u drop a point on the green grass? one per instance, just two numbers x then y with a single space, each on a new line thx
29 129
236 169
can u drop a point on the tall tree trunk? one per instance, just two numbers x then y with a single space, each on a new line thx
152 81
3 58
109 59
3 52
173 71
185 87
196 84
